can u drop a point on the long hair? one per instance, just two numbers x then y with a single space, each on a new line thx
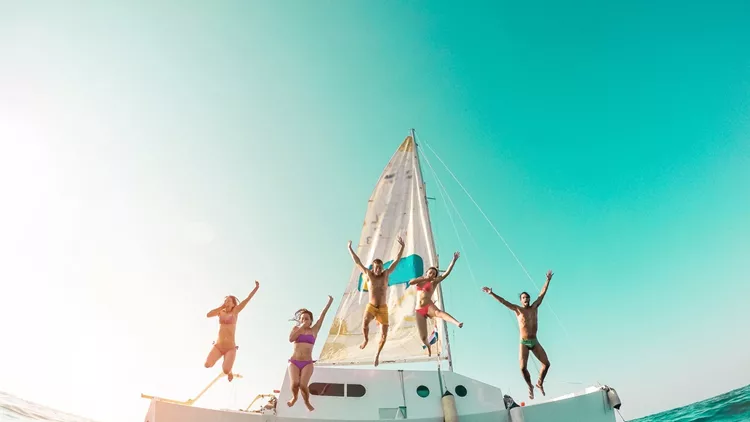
298 316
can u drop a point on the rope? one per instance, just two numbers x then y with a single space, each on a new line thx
447 332
441 188
496 232
443 194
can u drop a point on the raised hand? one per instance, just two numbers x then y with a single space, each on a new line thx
350 244
400 241
330 298
456 256
487 290
257 284
550 274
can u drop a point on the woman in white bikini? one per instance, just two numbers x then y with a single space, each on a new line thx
225 345
425 306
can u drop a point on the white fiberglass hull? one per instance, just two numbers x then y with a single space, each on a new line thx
372 395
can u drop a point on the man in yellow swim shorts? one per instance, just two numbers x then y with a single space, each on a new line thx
377 308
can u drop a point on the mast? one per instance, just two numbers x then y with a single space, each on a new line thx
434 251
398 203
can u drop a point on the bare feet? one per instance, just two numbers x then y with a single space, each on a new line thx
364 344
540 387
377 360
230 376
429 351
531 393
309 406
291 402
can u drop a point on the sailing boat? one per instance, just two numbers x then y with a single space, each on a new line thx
397 207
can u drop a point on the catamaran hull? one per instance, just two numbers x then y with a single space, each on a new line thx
373 395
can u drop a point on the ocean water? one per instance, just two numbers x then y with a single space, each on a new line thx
733 406
13 409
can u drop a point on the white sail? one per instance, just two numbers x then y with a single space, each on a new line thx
397 207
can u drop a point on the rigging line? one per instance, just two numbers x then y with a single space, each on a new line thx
460 243
496 232
483 214
449 330
443 194
435 328
446 331
621 417
443 191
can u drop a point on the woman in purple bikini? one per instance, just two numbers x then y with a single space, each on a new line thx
301 363
225 344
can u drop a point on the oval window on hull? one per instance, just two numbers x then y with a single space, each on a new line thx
327 389
423 391
355 390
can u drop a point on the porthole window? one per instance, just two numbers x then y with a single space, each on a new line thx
423 391
326 389
355 390
461 391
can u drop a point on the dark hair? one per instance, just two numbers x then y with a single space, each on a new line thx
234 299
299 313
524 293
436 270
378 260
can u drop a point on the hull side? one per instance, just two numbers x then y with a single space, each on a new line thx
370 395
590 405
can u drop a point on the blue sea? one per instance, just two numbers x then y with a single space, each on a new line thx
733 406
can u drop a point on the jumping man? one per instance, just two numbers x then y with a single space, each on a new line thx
527 324
377 308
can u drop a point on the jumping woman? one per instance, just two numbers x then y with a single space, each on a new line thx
225 345
301 366
426 307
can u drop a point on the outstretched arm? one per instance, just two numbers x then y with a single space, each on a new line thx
357 261
507 304
398 257
538 300
447 272
322 316
242 304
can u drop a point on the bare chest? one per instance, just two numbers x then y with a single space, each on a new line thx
378 283
526 316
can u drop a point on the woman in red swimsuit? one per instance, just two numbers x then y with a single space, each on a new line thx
425 307
225 344
301 366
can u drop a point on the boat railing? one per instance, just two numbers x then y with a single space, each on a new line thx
190 402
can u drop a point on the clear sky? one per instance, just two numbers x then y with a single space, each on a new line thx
156 157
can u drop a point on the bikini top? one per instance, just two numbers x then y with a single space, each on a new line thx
305 338
425 287
227 319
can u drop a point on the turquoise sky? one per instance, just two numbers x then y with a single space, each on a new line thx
156 157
